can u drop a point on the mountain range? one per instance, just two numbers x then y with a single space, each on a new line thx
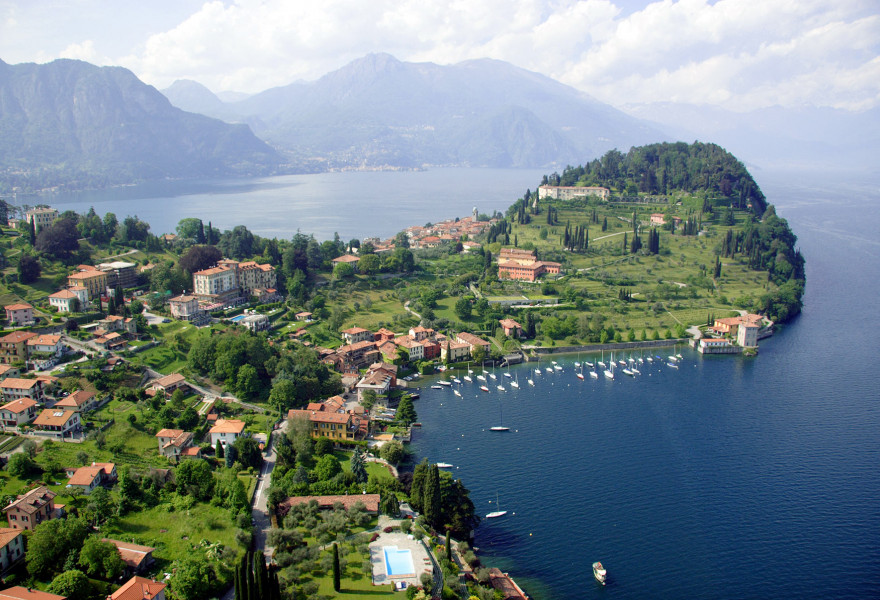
71 120
379 111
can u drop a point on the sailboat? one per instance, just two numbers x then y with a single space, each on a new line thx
580 375
468 378
594 375
492 374
515 383
501 388
577 363
496 513
484 388
602 362
508 375
610 373
470 371
500 427
457 393
537 371
531 382
483 376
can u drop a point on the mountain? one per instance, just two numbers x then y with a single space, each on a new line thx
779 137
72 123
379 111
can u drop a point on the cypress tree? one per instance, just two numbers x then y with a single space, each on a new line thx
249 573
416 491
336 574
431 496
33 233
448 547
218 451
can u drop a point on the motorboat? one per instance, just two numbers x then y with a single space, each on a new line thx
599 572
442 465
436 387
444 382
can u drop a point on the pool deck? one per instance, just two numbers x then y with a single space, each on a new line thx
421 561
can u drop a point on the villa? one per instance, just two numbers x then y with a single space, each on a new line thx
58 422
563 192
18 412
31 509
19 315
226 431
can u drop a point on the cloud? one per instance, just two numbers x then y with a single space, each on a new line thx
738 53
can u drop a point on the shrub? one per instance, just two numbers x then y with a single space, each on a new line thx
388 529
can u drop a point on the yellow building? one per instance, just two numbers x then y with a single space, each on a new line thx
94 281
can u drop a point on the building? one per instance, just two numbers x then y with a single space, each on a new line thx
336 426
88 478
415 350
19 315
169 383
58 422
8 371
303 316
172 442
357 334
136 558
354 356
511 328
139 588
184 307
378 381
255 323
14 388
452 351
13 347
526 270
384 335
90 278
471 340
31 509
217 284
79 401
226 431
26 593
41 217
11 547
658 219
747 335
563 192
349 259
119 274
253 276
44 351
65 301
730 325
18 412
111 341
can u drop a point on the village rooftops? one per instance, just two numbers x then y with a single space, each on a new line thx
213 271
355 331
32 501
22 593
170 380
63 294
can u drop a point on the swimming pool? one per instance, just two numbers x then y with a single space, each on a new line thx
398 563
237 318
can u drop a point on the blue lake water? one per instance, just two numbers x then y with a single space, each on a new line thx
726 478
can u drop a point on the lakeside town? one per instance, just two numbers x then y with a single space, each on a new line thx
316 407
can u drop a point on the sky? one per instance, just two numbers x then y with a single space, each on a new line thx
736 54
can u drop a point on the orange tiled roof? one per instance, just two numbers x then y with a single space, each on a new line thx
23 593
228 426
18 306
19 406
52 417
16 337
137 588
7 534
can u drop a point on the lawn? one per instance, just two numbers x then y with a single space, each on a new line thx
356 582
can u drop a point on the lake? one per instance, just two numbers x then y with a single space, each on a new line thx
355 204
727 478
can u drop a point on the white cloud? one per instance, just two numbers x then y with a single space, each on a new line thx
737 53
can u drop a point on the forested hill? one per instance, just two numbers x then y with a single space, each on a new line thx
668 168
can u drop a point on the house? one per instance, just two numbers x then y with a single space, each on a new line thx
41 217
136 558
11 547
139 588
384 335
19 315
44 351
452 351
88 478
111 341
31 509
8 371
303 316
172 442
471 340
336 426
370 502
169 383
79 401
564 192
415 350
658 219
184 308
432 349
265 295
511 328
747 335
526 269
420 333
14 388
18 412
26 593
58 422
256 323
357 334
13 347
388 350
347 259
65 301
90 278
226 431
217 284
354 356
378 381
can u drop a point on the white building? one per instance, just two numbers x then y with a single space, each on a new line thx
41 217
226 431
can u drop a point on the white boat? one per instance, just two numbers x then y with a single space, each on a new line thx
537 371
622 363
484 388
444 382
444 466
628 372
500 426
470 371
671 364
457 393
589 364
636 371
549 369
554 362
609 373
599 572
436 387
501 388
650 360
492 375
508 375
577 364
602 362
481 377
557 367
496 513
672 358
580 376
515 383
594 375
468 378
531 382
457 380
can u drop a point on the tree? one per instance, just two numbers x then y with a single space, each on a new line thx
343 271
192 577
328 466
59 240
406 412
370 264
100 505
392 451
188 228
478 353
101 559
218 451
73 584
200 257
28 269
463 308
336 573
52 542
238 243
283 394
323 446
431 497
358 466
194 478
248 450
22 466
188 419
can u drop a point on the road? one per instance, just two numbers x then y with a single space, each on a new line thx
260 510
